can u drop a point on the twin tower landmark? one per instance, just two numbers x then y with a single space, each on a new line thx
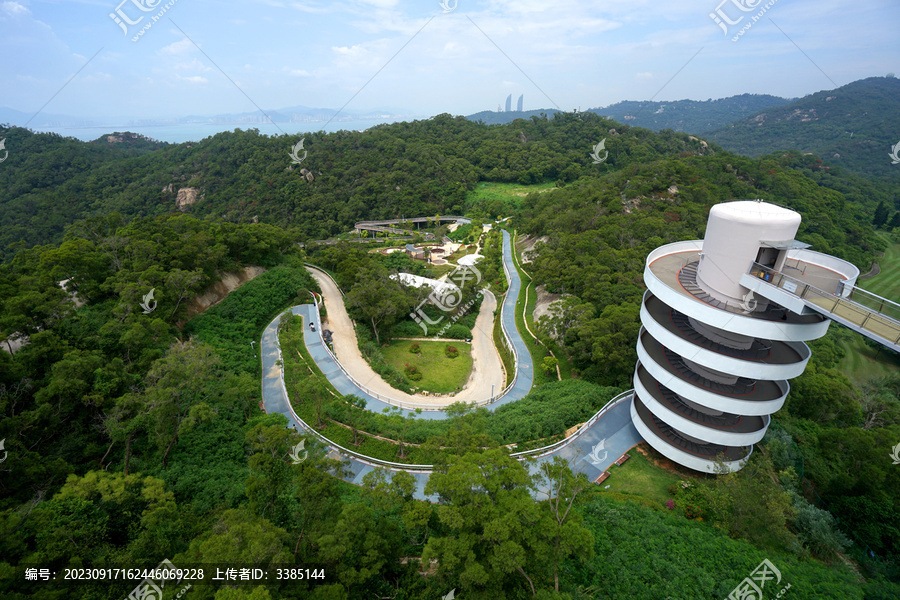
509 103
724 321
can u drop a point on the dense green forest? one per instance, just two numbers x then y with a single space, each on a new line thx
691 116
853 127
135 436
423 167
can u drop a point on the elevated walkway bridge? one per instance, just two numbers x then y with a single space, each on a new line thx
806 288
384 226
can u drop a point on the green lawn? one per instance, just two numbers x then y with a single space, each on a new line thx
887 283
508 192
440 374
862 361
640 479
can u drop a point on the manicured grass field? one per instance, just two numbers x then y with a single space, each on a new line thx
640 478
887 283
439 373
486 191
862 361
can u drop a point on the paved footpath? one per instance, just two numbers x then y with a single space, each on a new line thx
485 378
614 427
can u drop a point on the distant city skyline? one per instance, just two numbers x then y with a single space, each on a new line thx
199 58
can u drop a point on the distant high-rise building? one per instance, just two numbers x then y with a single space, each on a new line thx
519 103
509 103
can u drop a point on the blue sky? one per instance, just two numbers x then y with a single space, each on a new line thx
566 54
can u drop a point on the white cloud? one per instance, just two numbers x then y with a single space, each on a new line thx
351 51
192 65
182 46
379 3
14 9
193 79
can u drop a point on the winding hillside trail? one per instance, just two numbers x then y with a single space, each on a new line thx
609 432
485 379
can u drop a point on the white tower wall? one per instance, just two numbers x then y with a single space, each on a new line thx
733 238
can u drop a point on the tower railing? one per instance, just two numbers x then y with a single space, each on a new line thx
863 309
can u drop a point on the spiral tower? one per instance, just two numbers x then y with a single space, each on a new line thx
714 359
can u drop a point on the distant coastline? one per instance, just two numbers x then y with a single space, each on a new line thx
194 132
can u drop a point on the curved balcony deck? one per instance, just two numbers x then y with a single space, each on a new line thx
730 422
677 440
765 359
749 397
687 279
661 275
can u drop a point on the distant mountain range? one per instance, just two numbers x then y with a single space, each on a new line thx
854 126
289 115
489 117
692 116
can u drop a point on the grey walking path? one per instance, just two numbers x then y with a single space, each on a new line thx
614 427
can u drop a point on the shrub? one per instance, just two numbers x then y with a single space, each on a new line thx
457 331
414 348
412 372
451 352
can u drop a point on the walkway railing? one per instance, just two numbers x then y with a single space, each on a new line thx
374 462
540 452
392 401
356 382
876 315
377 462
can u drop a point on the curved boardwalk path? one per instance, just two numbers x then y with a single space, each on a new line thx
612 424
485 378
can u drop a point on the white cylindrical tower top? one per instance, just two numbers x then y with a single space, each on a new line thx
737 234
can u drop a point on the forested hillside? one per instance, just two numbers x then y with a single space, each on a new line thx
133 433
423 167
853 127
691 116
